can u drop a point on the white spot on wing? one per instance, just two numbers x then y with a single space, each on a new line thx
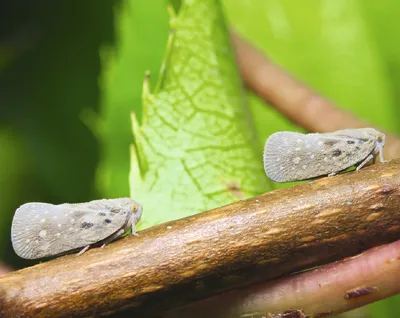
296 160
42 220
42 233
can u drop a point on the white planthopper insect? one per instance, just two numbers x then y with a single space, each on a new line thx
292 156
42 229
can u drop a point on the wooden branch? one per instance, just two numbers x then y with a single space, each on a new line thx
295 99
320 292
254 240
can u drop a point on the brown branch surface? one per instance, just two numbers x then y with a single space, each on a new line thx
320 292
193 258
295 99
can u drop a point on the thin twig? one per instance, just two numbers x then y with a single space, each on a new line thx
324 291
295 99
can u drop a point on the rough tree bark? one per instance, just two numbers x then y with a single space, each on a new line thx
254 240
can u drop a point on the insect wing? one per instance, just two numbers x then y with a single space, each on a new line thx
111 205
41 229
356 134
290 156
26 226
93 225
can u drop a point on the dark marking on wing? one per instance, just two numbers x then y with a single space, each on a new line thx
331 142
86 225
336 153
358 148
107 221
350 142
102 214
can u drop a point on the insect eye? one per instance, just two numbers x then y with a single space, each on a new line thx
134 208
380 138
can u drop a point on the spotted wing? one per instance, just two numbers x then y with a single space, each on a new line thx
290 156
111 205
41 229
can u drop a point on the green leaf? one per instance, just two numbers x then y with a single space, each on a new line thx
386 308
196 148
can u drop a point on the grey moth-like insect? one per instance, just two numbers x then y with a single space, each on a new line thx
292 156
42 229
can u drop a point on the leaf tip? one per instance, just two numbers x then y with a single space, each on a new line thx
171 11
146 85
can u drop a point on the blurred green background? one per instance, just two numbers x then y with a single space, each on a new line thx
71 72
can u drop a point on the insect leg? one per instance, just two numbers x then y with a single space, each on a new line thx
332 174
381 155
134 230
113 237
370 156
134 221
84 250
